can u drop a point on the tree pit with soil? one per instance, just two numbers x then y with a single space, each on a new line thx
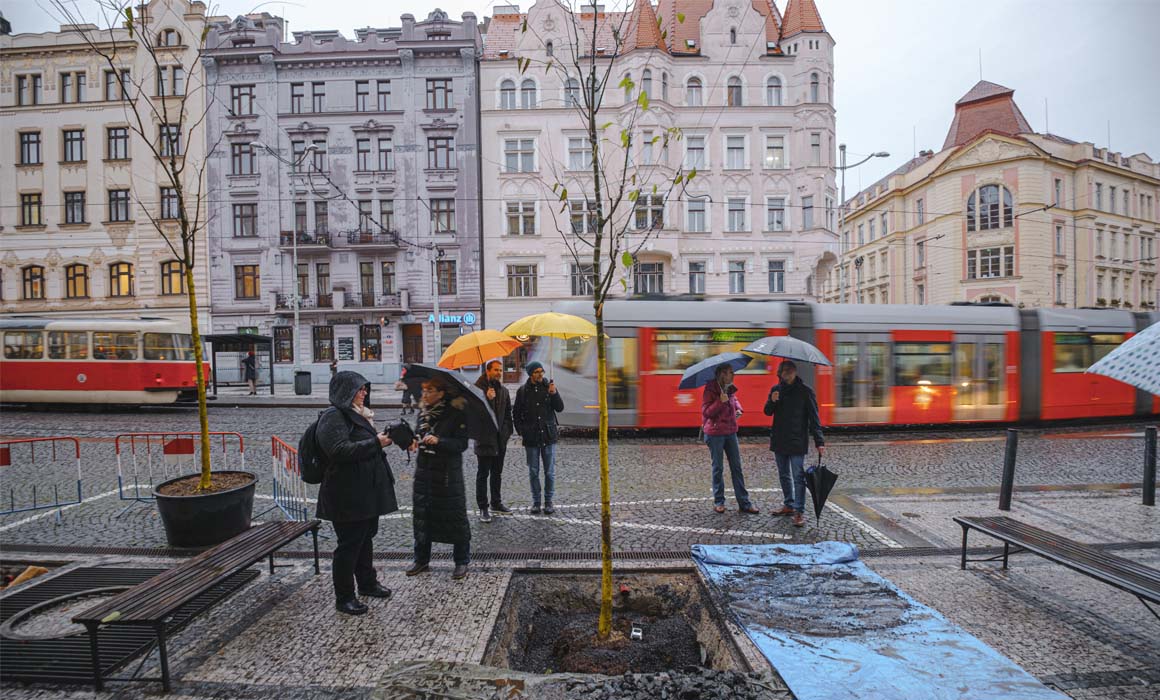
220 481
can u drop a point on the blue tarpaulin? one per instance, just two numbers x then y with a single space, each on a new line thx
836 630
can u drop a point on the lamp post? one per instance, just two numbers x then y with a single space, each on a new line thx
842 217
295 298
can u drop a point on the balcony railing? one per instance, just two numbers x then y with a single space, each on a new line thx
367 238
285 302
322 240
357 300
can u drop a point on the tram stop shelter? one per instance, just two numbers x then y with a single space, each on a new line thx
239 342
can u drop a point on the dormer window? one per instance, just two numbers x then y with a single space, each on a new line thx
168 37
550 49
732 36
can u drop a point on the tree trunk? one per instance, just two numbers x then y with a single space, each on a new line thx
604 627
199 361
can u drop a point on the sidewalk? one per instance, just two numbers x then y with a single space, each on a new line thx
284 397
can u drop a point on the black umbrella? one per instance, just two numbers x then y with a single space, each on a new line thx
820 481
480 418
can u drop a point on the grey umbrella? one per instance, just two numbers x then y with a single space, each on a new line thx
788 348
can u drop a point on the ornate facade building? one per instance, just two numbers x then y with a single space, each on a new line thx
750 93
345 179
1004 214
78 187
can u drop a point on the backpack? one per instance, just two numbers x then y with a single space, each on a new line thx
311 460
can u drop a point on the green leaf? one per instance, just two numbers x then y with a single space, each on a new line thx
524 26
642 100
626 259
605 125
564 194
655 139
555 186
692 174
624 282
113 616
129 20
625 139
626 83
654 189
681 17
632 196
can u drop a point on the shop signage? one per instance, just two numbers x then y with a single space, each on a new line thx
467 319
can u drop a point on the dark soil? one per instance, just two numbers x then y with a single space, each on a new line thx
221 481
567 642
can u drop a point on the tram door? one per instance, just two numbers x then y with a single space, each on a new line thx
979 375
862 378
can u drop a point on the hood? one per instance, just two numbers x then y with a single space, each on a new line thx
344 385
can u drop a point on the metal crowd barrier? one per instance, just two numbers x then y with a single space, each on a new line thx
145 460
15 454
290 494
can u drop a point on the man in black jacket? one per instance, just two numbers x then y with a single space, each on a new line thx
795 418
534 412
492 448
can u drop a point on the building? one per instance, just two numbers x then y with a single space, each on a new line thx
748 90
1004 214
80 189
345 171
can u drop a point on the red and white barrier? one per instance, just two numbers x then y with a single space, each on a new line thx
145 460
40 473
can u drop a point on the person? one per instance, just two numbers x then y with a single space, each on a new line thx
534 416
720 409
438 493
794 409
408 399
491 449
333 367
250 369
356 489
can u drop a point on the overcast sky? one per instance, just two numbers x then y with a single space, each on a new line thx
900 64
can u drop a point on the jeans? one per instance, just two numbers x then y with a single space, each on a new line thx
793 479
490 469
547 455
460 552
721 446
354 557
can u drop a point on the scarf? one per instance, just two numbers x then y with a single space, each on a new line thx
364 412
429 417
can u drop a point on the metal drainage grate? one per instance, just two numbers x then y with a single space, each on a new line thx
66 659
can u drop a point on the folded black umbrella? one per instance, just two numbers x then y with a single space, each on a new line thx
480 418
820 481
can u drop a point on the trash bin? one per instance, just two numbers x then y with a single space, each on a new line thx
302 383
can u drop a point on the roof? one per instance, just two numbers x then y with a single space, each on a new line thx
643 29
801 16
986 107
900 170
983 90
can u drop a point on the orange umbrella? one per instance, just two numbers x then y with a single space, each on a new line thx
476 348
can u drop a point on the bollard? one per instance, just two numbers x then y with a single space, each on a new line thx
1008 469
1150 466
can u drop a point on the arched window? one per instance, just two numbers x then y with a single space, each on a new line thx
990 299
628 85
76 279
550 49
773 92
528 94
172 277
571 92
168 37
665 87
814 87
32 279
646 83
121 279
990 207
732 36
507 94
693 92
733 92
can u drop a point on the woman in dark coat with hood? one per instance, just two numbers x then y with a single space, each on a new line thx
439 497
357 487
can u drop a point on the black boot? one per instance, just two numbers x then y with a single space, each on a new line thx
351 607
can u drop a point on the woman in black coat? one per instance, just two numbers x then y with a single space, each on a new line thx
357 487
439 499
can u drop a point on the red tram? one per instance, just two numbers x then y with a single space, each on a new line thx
96 361
893 364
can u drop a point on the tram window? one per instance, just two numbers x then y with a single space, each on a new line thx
1103 343
922 364
1075 352
622 373
168 346
109 345
571 354
676 351
23 345
68 345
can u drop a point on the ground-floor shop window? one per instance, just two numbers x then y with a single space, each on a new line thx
370 343
283 344
323 343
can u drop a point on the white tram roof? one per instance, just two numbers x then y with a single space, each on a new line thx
887 317
97 323
681 314
1088 320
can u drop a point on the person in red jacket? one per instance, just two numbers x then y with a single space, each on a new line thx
720 409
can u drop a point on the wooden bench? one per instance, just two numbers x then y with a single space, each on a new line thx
1125 574
152 603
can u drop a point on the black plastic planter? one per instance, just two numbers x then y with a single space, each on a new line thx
202 520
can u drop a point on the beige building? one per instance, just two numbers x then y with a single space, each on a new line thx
1004 214
78 188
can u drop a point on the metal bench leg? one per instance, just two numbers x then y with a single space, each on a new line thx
271 563
963 561
96 653
164 657
1006 551
314 532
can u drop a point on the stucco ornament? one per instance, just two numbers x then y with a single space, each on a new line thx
733 11
53 258
549 24
990 151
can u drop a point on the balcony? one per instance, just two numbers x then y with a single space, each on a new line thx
357 300
306 242
285 302
367 240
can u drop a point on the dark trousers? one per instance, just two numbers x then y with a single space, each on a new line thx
460 552
490 468
353 557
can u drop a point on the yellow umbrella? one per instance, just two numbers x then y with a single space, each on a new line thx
551 324
476 348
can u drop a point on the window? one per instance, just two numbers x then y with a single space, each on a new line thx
319 161
297 97
386 213
116 84
121 279
920 294
1127 203
583 215
76 280
114 345
178 80
1059 239
994 210
920 253
241 100
646 83
922 364
1112 199
363 155
736 210
68 345
370 342
1059 288
448 277
170 81
388 273
72 87
169 140
775 152
74 207
579 153
118 205
507 94
628 85
1075 352
303 279
74 145
773 92
649 211
172 278
647 155
30 148
583 280
386 154
871 227
861 234
1057 195
362 95
693 92
885 218
808 215
572 92
775 214
32 279
246 282
300 222
695 153
550 49
814 88
31 209
283 344
528 94
29 90
733 94
323 343
521 218
735 152
519 155
696 278
1009 261
439 153
521 280
384 95
920 212
439 94
776 276
696 219
168 37
443 215
318 97
241 159
648 278
665 87
366 282
736 276
815 148
365 215
1099 244
169 206
23 345
676 350
117 143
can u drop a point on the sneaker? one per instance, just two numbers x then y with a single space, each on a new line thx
549 508
798 519
460 572
501 509
535 510
484 516
784 510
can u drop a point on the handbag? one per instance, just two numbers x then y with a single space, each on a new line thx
400 432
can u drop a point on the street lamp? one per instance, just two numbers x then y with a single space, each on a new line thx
842 217
296 300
